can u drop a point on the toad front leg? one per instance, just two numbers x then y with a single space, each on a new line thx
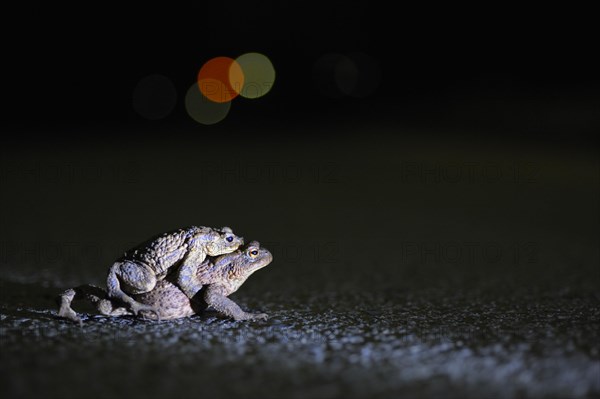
215 297
135 278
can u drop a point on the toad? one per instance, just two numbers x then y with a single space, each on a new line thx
141 268
218 277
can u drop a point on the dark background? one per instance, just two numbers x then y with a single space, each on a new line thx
443 230
511 69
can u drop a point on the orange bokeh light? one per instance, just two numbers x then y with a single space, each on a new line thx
221 79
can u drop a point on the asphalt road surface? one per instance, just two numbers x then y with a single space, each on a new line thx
405 264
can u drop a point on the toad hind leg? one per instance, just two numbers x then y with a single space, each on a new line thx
95 295
65 310
137 278
214 297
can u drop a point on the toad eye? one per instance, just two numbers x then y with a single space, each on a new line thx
229 239
253 253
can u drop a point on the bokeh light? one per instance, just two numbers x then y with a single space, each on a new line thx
324 74
368 76
340 75
202 109
259 75
345 75
154 97
221 79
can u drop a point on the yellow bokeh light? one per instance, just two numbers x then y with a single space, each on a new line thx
202 109
258 75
